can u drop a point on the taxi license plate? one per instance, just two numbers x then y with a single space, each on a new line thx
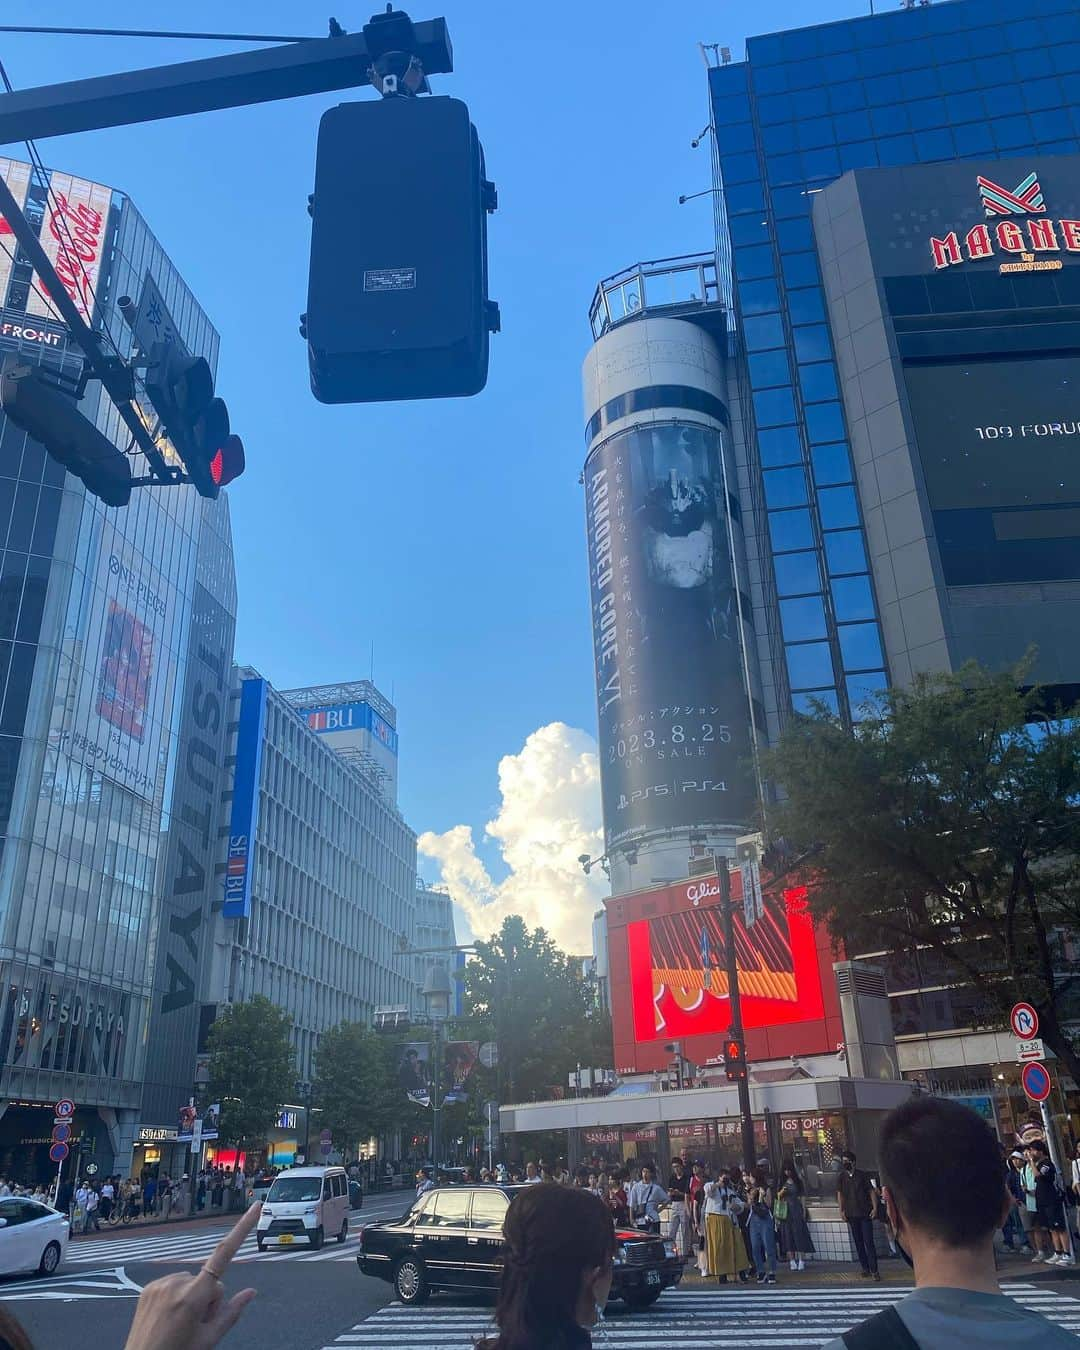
652 1277
285 1238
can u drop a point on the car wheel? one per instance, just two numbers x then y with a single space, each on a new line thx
317 1239
411 1282
50 1259
344 1229
641 1298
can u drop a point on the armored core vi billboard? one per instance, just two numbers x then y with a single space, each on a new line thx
668 975
673 714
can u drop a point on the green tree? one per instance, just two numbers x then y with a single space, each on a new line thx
356 1085
531 999
252 1068
946 827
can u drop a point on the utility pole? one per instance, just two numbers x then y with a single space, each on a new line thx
724 879
436 1105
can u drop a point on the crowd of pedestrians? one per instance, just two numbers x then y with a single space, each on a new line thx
93 1201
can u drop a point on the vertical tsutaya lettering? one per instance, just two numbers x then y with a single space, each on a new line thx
190 855
605 613
190 874
200 748
206 708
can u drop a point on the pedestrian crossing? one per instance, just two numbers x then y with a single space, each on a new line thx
163 1245
691 1319
196 1245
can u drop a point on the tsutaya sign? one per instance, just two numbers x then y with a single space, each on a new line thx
1037 234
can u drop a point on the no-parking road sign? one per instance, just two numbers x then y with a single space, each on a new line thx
1036 1080
1024 1021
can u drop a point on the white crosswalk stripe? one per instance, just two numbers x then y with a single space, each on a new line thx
161 1245
691 1319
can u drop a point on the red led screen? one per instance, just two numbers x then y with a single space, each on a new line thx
668 981
677 970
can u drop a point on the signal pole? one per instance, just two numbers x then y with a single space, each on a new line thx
723 877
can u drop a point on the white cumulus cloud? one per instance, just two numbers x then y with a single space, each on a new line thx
549 815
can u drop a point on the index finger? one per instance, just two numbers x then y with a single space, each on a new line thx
217 1262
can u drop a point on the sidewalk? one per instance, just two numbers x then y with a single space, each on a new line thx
156 1221
827 1274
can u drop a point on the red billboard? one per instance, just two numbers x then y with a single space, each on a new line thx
667 967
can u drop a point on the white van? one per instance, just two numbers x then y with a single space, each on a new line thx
310 1203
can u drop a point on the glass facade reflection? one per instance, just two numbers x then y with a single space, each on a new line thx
114 626
960 80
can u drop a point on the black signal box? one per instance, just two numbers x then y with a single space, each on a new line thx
397 291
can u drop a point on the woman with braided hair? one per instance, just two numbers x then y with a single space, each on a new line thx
560 1244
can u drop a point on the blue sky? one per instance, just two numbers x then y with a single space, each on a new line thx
447 535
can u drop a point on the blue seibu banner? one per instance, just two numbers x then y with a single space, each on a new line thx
240 864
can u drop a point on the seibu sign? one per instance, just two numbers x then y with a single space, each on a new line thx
1037 234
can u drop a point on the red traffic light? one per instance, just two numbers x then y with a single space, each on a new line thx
228 462
734 1060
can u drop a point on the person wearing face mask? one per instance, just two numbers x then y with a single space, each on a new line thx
857 1196
557 1270
956 1301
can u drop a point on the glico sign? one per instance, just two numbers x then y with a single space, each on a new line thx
668 978
1036 235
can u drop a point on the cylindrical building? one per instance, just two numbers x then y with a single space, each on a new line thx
674 662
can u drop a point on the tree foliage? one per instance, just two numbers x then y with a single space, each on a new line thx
946 826
532 999
356 1084
252 1068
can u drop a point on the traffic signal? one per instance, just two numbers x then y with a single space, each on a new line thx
734 1059
181 388
397 289
51 416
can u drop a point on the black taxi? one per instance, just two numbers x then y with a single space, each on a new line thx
452 1238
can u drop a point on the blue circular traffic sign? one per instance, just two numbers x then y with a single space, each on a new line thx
58 1152
64 1107
1036 1081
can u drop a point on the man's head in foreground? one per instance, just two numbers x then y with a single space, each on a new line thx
932 1217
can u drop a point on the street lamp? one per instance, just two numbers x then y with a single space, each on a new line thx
436 994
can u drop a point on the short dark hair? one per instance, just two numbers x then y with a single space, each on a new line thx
913 1139
847 1153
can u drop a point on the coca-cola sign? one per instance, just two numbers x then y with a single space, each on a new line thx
73 237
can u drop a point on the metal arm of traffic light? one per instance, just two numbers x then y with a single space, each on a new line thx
315 66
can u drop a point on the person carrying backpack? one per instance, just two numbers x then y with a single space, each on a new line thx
956 1301
1049 1204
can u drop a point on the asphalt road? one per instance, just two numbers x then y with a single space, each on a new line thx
311 1300
304 1301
